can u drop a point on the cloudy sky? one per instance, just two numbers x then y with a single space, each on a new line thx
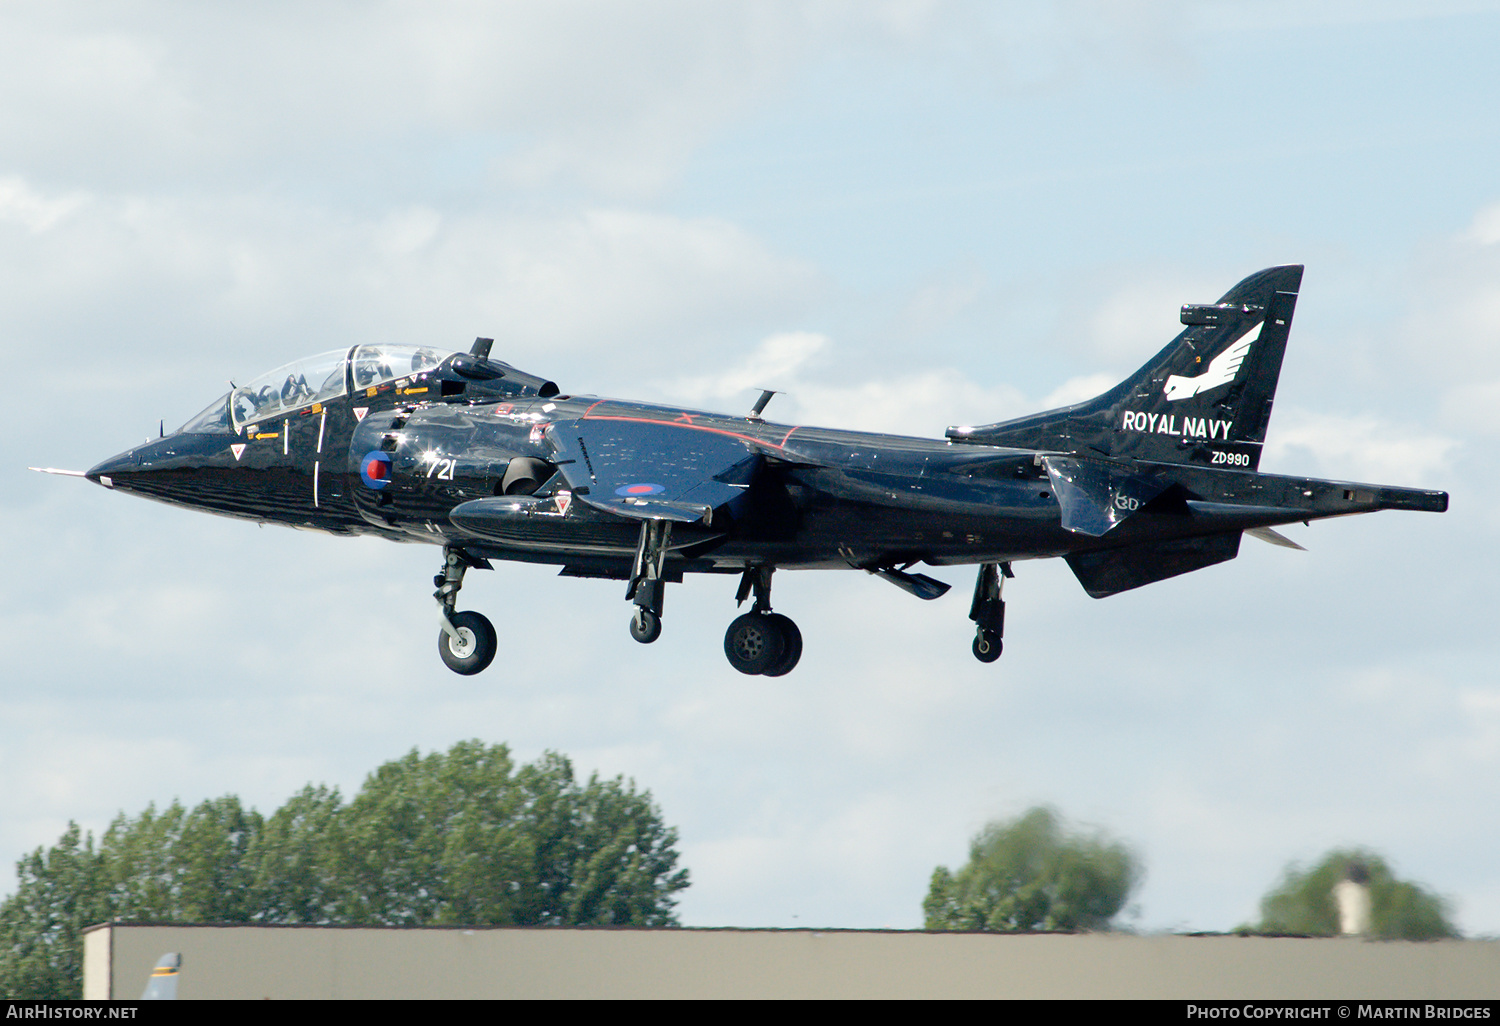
903 213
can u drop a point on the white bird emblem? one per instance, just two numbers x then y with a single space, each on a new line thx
1221 370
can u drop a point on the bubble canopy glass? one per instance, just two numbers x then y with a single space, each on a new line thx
298 384
314 379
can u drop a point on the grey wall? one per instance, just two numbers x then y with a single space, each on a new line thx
315 962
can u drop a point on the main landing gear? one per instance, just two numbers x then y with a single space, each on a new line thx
761 642
467 640
646 588
988 611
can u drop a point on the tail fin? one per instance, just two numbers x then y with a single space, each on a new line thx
1205 398
162 984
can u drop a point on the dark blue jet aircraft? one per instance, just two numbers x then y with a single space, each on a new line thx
1154 478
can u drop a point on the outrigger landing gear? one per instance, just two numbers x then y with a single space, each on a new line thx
646 588
761 642
988 611
467 640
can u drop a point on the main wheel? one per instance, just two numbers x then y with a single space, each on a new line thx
473 649
987 646
753 643
791 645
645 626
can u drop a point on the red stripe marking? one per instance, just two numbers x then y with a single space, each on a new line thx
692 427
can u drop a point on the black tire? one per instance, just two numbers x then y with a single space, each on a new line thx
987 647
753 643
475 648
645 626
791 646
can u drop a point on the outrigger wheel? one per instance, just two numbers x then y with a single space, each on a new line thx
645 626
988 611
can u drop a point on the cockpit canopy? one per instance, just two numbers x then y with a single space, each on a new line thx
298 384
321 378
315 379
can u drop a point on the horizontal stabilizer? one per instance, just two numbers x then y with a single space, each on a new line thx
1104 572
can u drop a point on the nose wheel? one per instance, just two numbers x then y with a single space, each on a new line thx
762 643
467 641
471 647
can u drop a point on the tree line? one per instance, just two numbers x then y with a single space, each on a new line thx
468 837
458 837
1033 873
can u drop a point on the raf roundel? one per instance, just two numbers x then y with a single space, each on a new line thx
635 491
375 470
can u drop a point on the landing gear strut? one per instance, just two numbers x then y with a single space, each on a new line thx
646 588
988 611
467 640
761 642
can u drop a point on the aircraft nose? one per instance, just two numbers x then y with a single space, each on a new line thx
133 466
116 470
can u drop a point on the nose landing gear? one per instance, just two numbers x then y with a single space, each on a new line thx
761 642
467 641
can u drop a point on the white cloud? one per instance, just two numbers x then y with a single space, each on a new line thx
1360 447
897 401
22 205
1471 407
1485 228
596 295
1076 390
1135 321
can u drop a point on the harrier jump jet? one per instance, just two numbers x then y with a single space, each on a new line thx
1156 477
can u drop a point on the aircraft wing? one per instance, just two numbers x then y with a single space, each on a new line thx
652 470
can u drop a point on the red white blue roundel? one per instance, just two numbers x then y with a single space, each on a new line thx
636 491
375 471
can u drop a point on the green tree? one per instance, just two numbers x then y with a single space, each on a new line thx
62 891
292 858
179 865
465 837
1031 874
457 837
1303 902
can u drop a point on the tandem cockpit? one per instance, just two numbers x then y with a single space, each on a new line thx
372 369
368 369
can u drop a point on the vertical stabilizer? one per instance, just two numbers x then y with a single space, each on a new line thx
1205 398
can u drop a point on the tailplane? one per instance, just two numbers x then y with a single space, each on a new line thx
1204 399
